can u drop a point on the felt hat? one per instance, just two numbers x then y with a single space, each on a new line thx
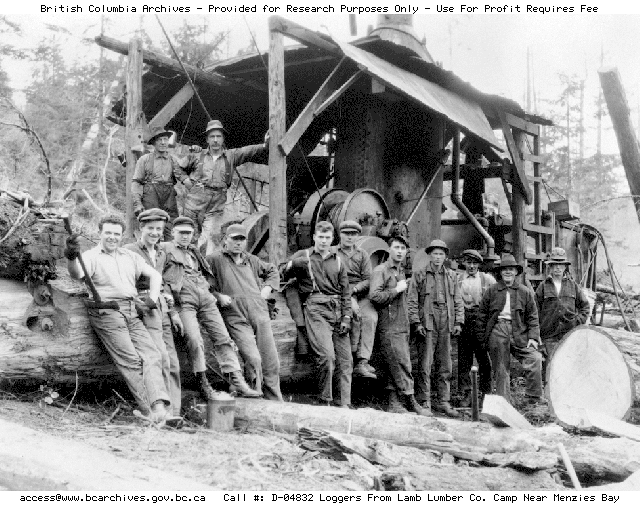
183 223
437 244
557 256
236 230
473 254
350 226
156 133
508 260
154 214
214 124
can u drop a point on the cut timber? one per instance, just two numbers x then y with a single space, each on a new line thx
591 419
588 371
502 414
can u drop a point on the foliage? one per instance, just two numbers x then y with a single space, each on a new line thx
195 45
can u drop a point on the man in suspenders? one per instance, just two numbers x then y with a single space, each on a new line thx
155 176
322 279
473 285
207 184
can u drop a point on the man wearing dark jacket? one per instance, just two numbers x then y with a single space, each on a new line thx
562 304
508 324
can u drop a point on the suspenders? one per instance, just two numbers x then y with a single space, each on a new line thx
313 278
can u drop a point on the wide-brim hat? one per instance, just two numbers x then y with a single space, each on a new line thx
508 261
158 132
471 253
214 125
437 244
557 256
184 223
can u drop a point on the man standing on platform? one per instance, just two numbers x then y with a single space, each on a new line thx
473 285
186 273
365 316
436 312
243 283
322 279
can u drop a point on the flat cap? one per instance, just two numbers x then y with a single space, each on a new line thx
472 253
236 230
154 214
350 226
183 222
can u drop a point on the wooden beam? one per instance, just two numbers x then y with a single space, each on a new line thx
532 158
518 202
172 107
336 94
277 158
538 229
521 177
303 35
134 125
199 76
523 125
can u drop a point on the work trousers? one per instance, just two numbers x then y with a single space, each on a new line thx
161 196
468 346
158 324
394 344
501 347
197 306
133 351
436 347
363 327
248 323
333 351
206 207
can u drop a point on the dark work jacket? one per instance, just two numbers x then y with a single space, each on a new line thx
524 313
173 274
391 305
558 315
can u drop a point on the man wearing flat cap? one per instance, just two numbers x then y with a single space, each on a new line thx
207 184
160 321
187 275
562 305
508 324
473 285
365 316
436 312
243 283
155 176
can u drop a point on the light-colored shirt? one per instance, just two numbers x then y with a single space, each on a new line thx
471 288
505 314
557 284
114 274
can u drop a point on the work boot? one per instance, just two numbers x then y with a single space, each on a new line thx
394 405
414 406
426 405
445 408
205 387
158 412
362 370
466 400
236 380
369 367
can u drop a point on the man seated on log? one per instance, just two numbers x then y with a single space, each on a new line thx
155 176
436 312
322 279
186 273
508 324
473 285
243 283
207 184
388 295
562 305
115 320
365 316
160 321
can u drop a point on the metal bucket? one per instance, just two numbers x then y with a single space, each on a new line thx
221 413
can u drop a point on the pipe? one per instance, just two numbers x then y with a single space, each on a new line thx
457 201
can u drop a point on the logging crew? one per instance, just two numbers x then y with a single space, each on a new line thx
562 305
508 324
388 295
186 273
155 176
160 321
207 184
436 312
322 279
473 285
243 283
115 320
365 316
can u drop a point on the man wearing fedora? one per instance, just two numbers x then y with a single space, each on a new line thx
473 285
208 183
562 305
436 312
508 325
155 176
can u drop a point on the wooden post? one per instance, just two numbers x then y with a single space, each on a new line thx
277 158
134 124
519 209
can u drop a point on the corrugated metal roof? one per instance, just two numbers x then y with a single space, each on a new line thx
461 111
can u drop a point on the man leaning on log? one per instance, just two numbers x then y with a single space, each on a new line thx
114 318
